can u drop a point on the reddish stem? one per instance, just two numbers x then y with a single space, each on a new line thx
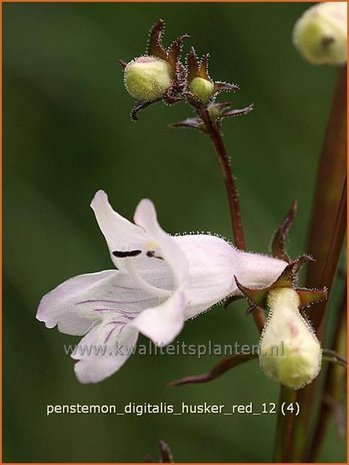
214 133
334 387
331 180
325 241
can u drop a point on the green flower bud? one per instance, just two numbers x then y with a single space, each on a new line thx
202 88
321 33
147 78
289 350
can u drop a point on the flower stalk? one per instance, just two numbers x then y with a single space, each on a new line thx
214 133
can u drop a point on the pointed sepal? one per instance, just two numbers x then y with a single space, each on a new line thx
175 49
309 297
219 111
138 107
220 86
287 277
302 260
238 111
203 67
278 246
197 67
192 64
193 123
255 297
155 47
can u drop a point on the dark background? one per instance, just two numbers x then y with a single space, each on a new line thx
67 133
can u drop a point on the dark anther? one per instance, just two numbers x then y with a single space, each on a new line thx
129 253
151 254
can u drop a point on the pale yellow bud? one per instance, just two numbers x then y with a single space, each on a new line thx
147 78
289 350
202 88
321 33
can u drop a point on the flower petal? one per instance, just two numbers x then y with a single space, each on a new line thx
257 270
213 262
162 323
104 350
145 216
144 248
211 271
80 302
121 235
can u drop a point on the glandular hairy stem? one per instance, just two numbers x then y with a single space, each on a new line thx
214 133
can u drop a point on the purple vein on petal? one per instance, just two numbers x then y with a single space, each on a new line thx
92 301
125 287
119 312
116 310
116 324
105 310
127 314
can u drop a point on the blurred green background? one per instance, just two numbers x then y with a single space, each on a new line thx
67 133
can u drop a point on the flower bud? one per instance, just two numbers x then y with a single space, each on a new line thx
147 78
289 350
202 88
321 33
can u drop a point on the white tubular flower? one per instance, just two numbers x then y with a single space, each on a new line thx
160 282
290 353
321 33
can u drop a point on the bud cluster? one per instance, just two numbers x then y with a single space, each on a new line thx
159 75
